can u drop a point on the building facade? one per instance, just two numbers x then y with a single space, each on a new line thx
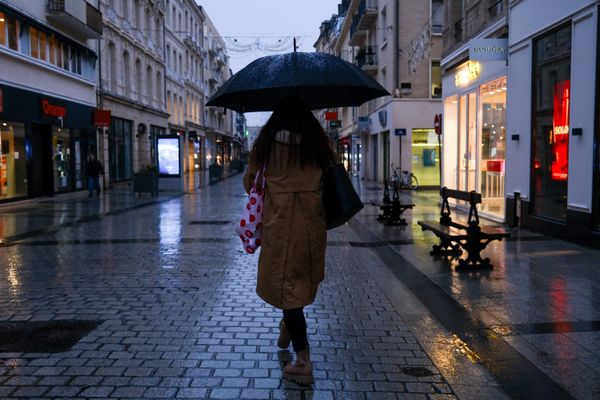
48 75
132 85
475 102
553 156
219 122
184 54
398 44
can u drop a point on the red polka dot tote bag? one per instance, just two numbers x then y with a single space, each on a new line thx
250 226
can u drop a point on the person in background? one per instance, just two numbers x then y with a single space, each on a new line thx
294 150
93 170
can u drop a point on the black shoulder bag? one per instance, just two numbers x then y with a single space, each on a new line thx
339 197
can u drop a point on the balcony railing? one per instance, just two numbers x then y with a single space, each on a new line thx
366 57
496 9
76 16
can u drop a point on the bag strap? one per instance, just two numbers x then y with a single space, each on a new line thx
261 173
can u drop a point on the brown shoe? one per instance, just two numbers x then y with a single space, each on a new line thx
301 371
284 338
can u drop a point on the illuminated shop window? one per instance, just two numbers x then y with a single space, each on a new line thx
550 169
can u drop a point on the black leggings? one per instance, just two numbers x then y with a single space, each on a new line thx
295 323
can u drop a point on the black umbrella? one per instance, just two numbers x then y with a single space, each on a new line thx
320 79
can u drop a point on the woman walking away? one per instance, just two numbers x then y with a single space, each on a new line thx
294 150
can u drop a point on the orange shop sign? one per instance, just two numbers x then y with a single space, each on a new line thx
52 110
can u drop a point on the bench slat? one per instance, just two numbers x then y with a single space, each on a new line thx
460 195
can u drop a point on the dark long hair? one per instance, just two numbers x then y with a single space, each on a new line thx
309 145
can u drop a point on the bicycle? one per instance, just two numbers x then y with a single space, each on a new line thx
406 180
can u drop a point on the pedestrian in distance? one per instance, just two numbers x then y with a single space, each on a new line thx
93 170
294 150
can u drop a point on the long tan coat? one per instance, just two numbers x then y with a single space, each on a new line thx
292 260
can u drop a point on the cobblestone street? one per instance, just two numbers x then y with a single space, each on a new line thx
173 295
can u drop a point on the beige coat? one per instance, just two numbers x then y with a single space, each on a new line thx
292 260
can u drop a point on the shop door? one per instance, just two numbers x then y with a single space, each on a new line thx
467 142
374 144
386 156
41 172
62 157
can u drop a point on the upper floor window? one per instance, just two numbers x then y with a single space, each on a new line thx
437 16
9 32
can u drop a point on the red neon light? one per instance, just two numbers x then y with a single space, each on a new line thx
560 131
52 110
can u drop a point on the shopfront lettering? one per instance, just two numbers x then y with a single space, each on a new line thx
488 49
51 110
467 74
560 131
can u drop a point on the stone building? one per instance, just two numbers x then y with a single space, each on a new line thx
398 44
132 84
219 123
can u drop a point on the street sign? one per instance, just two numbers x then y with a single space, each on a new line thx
437 124
331 116
400 132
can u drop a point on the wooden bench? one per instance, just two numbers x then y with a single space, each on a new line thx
455 236
391 209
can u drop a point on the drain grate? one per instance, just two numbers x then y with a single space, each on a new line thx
417 371
368 244
207 222
43 337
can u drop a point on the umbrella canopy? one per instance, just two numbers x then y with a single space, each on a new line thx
320 79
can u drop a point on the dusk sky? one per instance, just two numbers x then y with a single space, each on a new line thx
269 20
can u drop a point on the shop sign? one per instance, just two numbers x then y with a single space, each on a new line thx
467 73
560 131
102 118
1 101
345 141
488 49
331 116
335 124
52 110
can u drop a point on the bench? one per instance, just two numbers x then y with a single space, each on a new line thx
391 209
469 236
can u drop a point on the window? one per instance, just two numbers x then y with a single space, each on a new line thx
52 49
437 16
13 33
150 86
2 29
43 41
33 43
168 56
126 74
13 163
138 75
550 120
436 80
65 56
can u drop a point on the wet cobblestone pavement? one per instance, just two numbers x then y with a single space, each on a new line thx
173 294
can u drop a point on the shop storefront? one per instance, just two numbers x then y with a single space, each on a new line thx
44 144
426 157
120 150
552 164
474 132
